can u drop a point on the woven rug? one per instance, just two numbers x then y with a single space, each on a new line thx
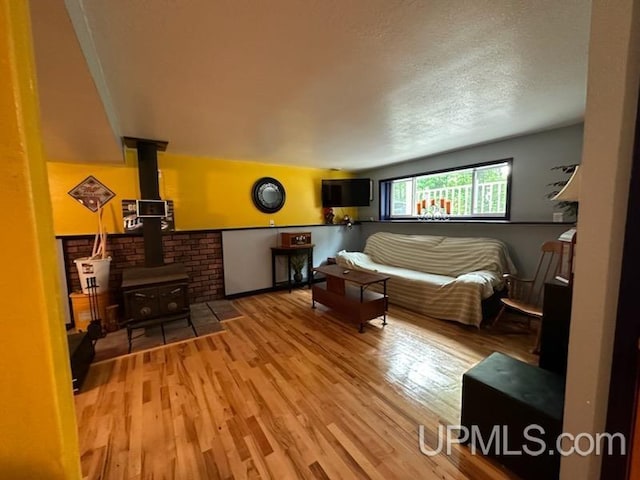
203 317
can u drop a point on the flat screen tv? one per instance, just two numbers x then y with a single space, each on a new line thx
346 192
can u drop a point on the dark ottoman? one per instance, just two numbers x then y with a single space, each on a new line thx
503 391
81 354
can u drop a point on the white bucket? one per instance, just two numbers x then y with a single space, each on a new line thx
98 267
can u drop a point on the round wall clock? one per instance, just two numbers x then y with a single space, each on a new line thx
268 195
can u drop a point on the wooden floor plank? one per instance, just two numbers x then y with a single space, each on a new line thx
288 392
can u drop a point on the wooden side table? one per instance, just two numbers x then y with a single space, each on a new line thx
291 252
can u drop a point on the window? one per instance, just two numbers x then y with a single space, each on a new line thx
478 191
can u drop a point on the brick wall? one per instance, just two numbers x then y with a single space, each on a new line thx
200 252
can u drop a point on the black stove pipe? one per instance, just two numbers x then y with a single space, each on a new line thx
149 190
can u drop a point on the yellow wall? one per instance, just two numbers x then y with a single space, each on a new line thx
207 193
38 436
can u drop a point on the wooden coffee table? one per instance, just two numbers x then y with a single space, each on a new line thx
346 292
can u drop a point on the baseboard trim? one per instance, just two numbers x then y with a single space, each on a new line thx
250 293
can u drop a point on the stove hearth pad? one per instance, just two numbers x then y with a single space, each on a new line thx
155 296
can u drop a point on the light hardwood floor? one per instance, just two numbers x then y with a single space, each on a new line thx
288 392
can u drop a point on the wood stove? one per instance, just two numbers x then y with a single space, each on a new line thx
154 296
156 293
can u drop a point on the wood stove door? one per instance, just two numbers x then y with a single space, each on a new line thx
173 298
142 303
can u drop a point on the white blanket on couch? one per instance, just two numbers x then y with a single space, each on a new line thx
442 277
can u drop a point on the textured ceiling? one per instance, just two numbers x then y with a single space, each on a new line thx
346 84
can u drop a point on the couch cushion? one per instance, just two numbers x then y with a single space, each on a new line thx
362 261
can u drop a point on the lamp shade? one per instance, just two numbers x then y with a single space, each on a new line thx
571 191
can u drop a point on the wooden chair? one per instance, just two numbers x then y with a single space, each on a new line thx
525 295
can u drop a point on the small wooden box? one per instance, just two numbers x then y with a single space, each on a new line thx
295 239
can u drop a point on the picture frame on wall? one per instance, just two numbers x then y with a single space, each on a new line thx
133 222
92 193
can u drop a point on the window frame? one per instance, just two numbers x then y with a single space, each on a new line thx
386 200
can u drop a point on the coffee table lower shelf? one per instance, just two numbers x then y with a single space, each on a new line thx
355 302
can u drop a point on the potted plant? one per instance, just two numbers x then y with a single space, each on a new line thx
297 263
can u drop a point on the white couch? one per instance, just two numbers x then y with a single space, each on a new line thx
442 277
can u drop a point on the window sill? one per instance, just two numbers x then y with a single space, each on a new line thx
441 222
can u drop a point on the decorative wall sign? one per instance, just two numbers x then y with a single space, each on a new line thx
133 223
91 193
